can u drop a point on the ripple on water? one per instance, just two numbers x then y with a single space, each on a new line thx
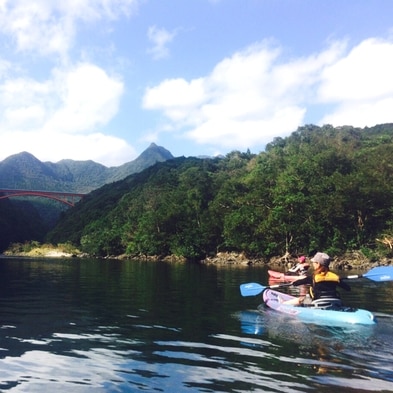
338 356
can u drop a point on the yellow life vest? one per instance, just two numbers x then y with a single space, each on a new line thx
322 277
328 276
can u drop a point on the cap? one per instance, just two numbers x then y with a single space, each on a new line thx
321 258
302 259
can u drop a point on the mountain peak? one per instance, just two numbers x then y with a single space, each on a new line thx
148 157
23 170
156 153
22 156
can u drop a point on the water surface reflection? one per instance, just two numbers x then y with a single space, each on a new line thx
111 326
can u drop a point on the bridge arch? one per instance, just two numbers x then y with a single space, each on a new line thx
68 198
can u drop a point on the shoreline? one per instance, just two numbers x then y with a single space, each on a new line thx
347 262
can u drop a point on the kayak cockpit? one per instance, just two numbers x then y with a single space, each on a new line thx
327 303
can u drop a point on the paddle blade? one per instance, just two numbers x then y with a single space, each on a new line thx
251 289
380 273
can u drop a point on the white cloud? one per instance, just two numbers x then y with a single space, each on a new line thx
160 38
106 149
247 99
89 98
241 134
49 26
24 102
360 85
62 111
364 73
62 114
73 100
361 113
179 94
254 95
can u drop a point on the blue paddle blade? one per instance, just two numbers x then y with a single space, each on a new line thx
380 273
251 289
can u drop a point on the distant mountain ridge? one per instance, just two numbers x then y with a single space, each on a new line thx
24 171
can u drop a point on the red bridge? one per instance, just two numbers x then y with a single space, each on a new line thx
68 198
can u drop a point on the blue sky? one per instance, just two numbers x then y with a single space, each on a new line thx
102 79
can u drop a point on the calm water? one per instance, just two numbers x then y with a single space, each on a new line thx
111 326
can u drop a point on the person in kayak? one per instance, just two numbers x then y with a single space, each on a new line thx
323 282
300 268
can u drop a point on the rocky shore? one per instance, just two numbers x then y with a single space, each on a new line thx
42 251
351 260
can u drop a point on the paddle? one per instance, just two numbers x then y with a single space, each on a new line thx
253 288
379 274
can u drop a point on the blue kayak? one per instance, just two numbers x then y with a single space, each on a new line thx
335 316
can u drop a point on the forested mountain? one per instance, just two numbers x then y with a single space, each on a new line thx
321 188
24 171
30 218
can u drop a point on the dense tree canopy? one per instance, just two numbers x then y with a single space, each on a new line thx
20 221
321 188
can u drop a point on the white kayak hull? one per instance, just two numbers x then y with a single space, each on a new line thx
343 316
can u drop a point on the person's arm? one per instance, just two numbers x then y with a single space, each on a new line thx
344 285
303 281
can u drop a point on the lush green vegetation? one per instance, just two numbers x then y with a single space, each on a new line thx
322 188
19 221
27 218
36 249
30 218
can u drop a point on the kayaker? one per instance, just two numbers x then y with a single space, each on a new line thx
301 267
323 282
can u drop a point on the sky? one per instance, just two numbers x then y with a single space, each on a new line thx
102 79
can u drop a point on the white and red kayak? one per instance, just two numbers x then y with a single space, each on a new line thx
317 315
279 276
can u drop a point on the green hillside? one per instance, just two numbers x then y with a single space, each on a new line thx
24 171
321 188
30 218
